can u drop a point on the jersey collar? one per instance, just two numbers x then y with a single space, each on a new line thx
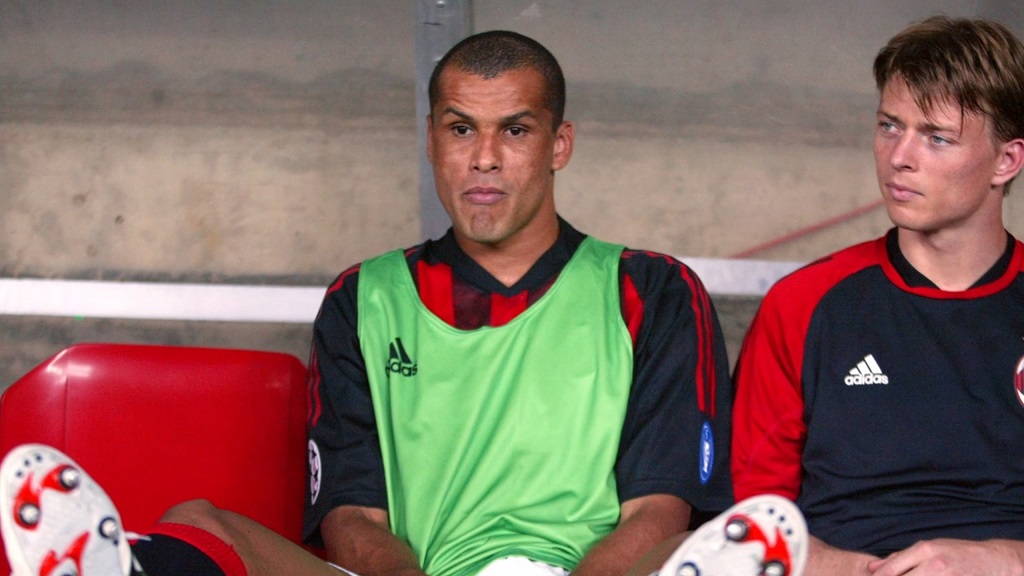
913 279
543 271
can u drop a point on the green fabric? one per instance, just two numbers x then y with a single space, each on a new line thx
502 440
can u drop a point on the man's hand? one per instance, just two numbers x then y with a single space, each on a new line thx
946 557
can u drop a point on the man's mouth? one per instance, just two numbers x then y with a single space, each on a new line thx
483 195
900 193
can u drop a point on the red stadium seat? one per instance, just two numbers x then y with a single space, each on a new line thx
157 425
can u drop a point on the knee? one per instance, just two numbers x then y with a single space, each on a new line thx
191 512
200 514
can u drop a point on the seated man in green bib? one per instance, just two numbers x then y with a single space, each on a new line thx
516 397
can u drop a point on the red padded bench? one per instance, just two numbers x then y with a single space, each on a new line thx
157 425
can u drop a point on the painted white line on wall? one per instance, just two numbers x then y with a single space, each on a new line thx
288 304
728 277
159 301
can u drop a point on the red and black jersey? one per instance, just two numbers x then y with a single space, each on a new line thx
886 407
675 437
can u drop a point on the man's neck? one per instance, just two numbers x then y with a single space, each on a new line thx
953 259
510 260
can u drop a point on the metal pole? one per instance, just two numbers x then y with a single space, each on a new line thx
440 24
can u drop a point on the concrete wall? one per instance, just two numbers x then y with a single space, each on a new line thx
274 143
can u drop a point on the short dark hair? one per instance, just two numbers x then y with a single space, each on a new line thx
488 54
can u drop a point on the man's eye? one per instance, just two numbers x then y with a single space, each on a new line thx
516 131
460 130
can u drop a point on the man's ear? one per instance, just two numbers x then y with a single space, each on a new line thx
1011 160
565 138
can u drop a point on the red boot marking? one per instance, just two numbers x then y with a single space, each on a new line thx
30 494
74 552
777 551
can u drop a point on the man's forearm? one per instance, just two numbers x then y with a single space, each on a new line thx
359 540
826 560
645 522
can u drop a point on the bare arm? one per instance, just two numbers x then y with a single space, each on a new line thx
359 539
652 562
945 557
644 522
826 560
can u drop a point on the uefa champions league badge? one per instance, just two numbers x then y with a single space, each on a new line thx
314 472
1018 380
707 450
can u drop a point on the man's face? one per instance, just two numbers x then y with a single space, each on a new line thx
494 154
938 172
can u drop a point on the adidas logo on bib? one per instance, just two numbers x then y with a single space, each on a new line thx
866 371
399 361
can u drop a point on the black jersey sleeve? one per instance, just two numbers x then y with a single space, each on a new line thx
675 438
345 464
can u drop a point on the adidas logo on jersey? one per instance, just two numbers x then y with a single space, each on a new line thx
866 371
399 361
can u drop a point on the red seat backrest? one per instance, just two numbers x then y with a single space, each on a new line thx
158 425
